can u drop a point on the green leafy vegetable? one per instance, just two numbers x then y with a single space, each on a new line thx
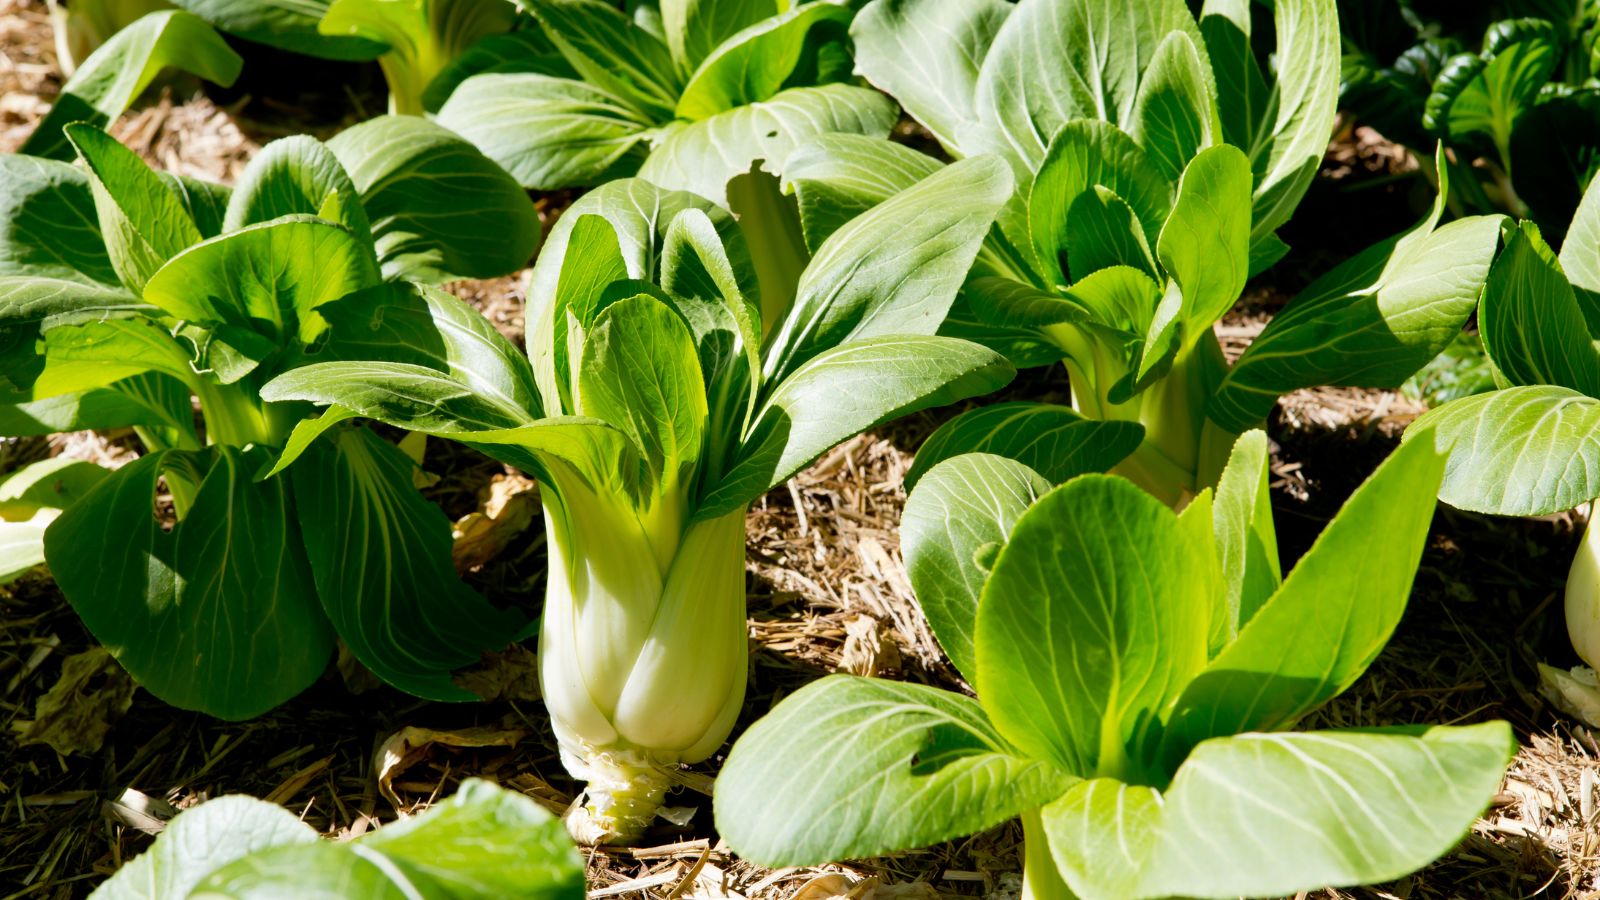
1154 161
122 310
481 842
660 414
1147 758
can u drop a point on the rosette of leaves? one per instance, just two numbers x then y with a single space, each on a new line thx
686 94
129 299
1533 446
481 843
1138 675
1154 162
654 406
1521 115
705 96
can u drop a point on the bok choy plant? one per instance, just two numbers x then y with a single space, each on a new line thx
128 298
1529 448
704 97
653 412
481 843
1511 87
1136 673
686 94
1154 162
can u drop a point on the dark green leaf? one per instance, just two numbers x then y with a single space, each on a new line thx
439 208
1054 441
218 615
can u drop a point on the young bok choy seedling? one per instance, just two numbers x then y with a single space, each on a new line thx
1137 673
1154 162
653 413
1529 448
481 843
128 297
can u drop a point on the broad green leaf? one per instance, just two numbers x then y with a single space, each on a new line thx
1101 834
1532 324
1090 625
1488 93
965 506
1054 61
30 499
439 208
486 842
422 36
895 269
592 263
286 24
48 225
1580 252
843 391
408 323
1104 232
269 278
697 273
1246 540
1315 636
694 28
380 555
201 840
218 615
908 766
548 132
1242 95
107 83
836 177
578 260
294 176
1268 815
1205 243
205 201
1175 114
96 354
703 156
641 373
1084 155
154 401
1289 128
613 53
927 54
1052 440
30 306
143 223
753 65
406 395
1522 451
1372 321
524 51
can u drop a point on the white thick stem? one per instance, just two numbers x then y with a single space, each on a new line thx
1583 597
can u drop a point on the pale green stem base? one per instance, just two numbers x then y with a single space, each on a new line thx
1040 878
621 800
1583 597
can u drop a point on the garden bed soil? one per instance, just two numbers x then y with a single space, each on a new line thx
828 592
